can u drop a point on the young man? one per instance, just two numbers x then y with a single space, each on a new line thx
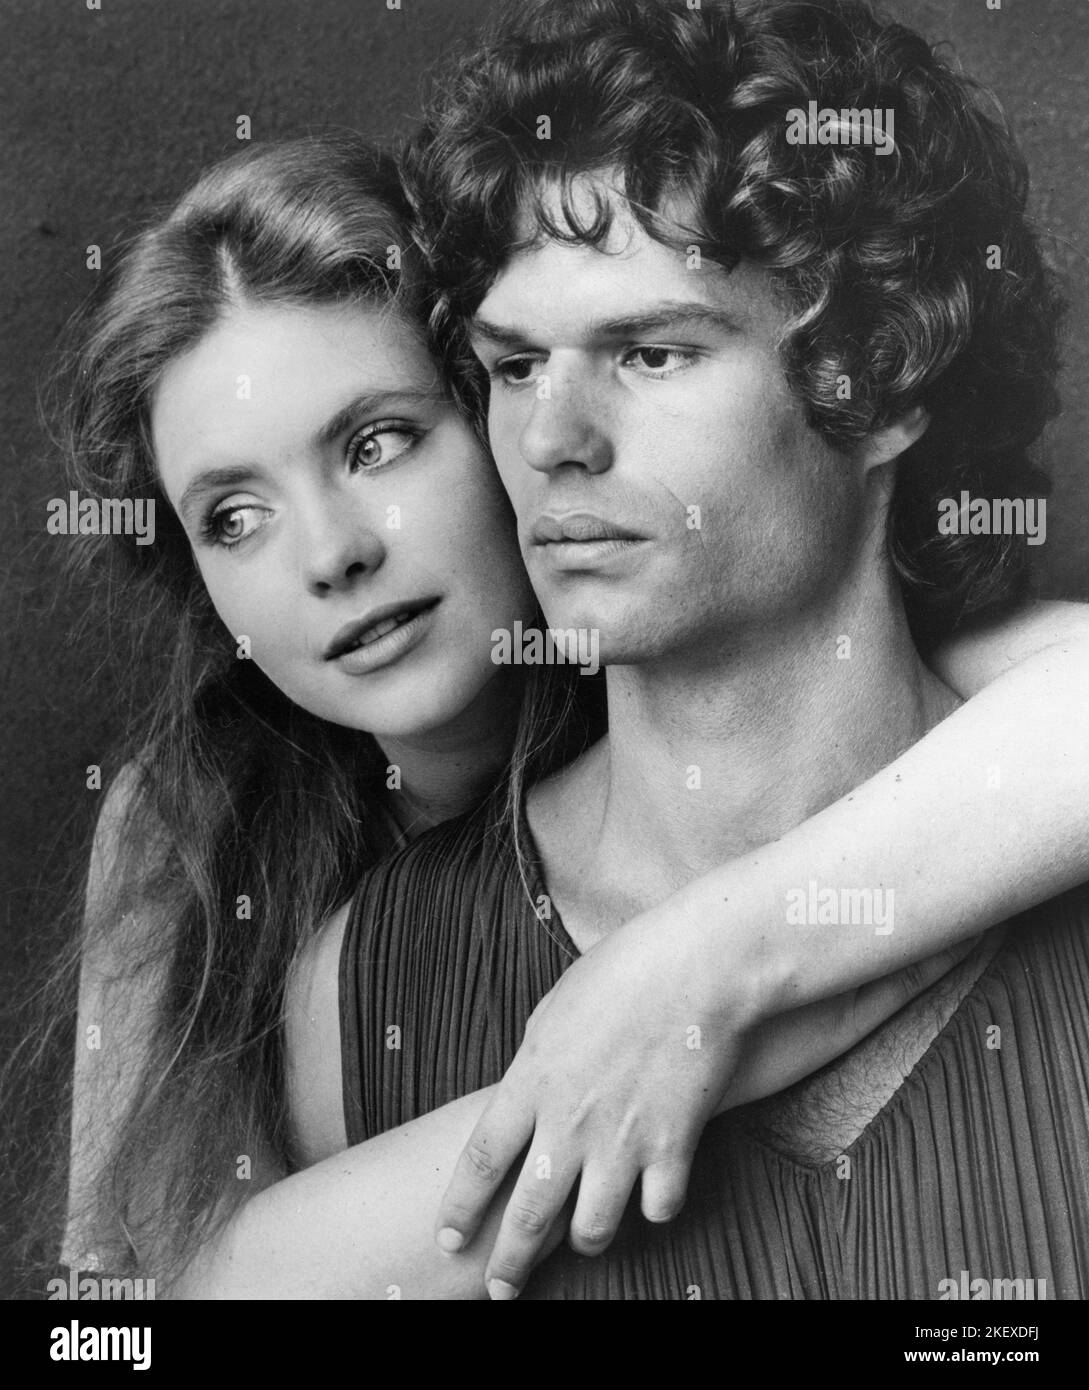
755 294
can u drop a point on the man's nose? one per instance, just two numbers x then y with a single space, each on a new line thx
340 543
567 423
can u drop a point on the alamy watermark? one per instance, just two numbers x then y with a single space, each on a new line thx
102 516
94 1287
76 1343
874 126
966 1287
994 516
840 907
552 646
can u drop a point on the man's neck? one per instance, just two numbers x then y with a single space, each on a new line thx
707 758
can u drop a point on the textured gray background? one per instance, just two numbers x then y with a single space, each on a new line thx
106 114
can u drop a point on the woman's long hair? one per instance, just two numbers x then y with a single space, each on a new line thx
244 820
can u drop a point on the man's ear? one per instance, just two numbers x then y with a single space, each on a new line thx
894 439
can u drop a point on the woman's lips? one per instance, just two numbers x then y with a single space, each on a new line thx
374 624
382 638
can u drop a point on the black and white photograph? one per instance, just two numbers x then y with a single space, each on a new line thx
546 712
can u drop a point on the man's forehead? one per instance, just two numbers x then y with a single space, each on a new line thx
573 205
559 288
626 273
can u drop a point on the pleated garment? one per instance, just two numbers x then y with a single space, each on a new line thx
976 1169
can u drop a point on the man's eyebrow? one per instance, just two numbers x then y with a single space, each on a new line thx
655 318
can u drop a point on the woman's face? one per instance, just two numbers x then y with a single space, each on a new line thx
342 514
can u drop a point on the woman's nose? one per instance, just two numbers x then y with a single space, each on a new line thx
340 543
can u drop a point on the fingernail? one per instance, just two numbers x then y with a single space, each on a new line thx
450 1240
500 1291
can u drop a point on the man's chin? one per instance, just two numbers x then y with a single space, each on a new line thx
625 640
623 648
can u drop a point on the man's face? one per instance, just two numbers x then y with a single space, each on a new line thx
668 490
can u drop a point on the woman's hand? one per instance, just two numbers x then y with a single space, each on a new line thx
623 1063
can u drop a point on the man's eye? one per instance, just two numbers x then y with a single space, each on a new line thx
380 444
515 370
661 360
228 524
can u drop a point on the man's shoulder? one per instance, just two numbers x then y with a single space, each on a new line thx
1032 972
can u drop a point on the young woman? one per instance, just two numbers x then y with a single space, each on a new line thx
333 555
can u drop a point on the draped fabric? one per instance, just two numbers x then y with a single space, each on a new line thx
977 1168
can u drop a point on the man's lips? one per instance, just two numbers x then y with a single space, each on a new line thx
575 527
376 624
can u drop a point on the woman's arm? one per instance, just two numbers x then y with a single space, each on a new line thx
349 1227
354 1226
357 1223
978 656
985 816
117 994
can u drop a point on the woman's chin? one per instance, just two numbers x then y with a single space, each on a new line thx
409 714
465 698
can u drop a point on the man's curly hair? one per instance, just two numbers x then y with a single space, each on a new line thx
887 261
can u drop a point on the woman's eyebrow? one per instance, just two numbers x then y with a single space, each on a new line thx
212 480
371 403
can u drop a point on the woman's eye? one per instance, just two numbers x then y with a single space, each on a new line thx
662 360
377 446
229 525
